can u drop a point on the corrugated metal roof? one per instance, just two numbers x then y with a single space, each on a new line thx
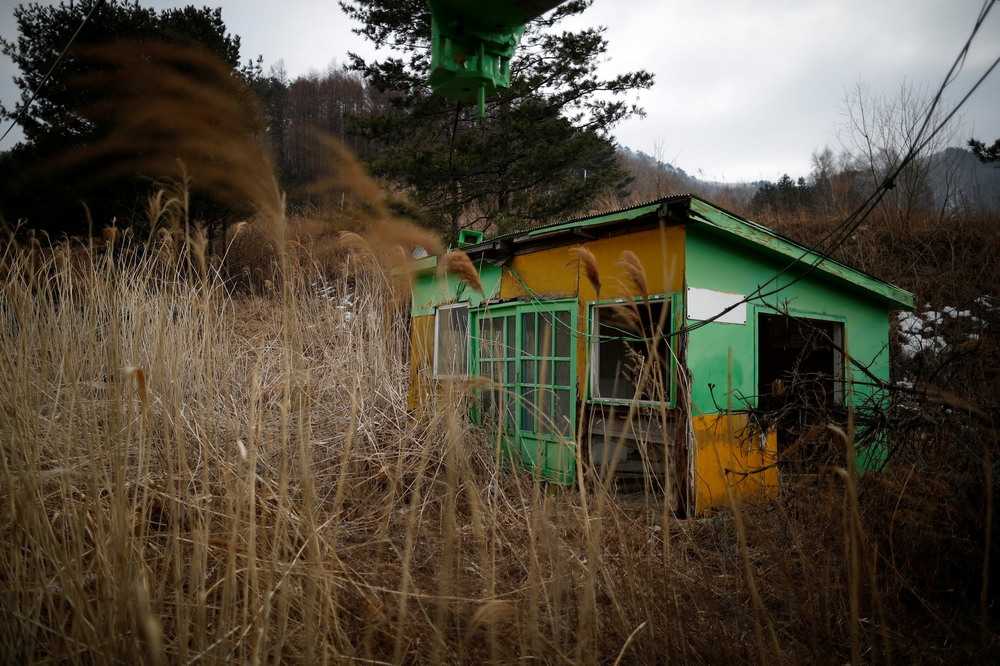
625 213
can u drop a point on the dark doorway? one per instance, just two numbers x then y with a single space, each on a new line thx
800 386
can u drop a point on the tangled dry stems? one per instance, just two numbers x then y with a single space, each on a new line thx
195 473
273 499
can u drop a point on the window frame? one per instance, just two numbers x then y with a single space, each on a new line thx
464 361
519 381
669 301
841 377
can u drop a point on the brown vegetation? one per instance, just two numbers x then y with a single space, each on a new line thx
190 472
190 475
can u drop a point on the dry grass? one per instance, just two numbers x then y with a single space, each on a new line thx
189 476
588 262
192 474
458 262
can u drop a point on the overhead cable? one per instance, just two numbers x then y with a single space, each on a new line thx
38 88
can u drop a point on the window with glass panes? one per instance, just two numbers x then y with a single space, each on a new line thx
631 358
545 379
451 341
497 363
528 353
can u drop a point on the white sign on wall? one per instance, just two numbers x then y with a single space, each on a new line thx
705 304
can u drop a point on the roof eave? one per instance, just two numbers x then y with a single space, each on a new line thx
704 212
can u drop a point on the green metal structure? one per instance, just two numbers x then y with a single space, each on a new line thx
472 44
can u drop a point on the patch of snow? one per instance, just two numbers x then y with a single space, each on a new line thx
923 330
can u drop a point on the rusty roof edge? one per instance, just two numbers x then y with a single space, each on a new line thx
760 235
699 210
621 215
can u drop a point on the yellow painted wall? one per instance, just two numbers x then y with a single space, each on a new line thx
725 442
421 361
556 273
661 253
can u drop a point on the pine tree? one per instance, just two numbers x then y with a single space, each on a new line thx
543 152
986 154
57 120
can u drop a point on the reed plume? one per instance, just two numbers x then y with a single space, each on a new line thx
182 118
180 113
381 228
586 259
354 243
635 275
626 319
458 262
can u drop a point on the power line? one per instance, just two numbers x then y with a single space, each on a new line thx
849 225
38 88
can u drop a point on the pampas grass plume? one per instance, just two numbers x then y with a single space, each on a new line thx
626 319
458 262
586 259
354 243
635 274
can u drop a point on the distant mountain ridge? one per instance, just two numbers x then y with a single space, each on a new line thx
956 180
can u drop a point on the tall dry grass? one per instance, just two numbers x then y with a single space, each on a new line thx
190 473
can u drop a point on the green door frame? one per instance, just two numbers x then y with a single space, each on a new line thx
532 382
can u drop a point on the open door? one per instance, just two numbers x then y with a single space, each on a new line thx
801 387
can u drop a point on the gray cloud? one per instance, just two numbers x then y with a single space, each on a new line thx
744 91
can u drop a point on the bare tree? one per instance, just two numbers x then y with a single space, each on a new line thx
879 132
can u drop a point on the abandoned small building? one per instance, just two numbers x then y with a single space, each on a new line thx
647 342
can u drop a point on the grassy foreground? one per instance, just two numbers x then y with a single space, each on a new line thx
189 476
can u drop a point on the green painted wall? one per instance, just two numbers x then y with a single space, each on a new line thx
430 289
724 355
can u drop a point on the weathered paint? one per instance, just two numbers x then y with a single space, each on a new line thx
421 361
593 221
816 296
556 273
722 358
733 461
537 364
761 236
682 243
430 289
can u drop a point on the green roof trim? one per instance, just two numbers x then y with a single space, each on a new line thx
703 212
604 218
699 211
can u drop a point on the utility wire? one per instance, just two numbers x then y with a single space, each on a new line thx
842 231
38 88
849 225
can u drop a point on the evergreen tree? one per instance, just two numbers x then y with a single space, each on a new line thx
57 120
785 196
543 152
986 154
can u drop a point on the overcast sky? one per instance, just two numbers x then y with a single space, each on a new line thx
744 90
